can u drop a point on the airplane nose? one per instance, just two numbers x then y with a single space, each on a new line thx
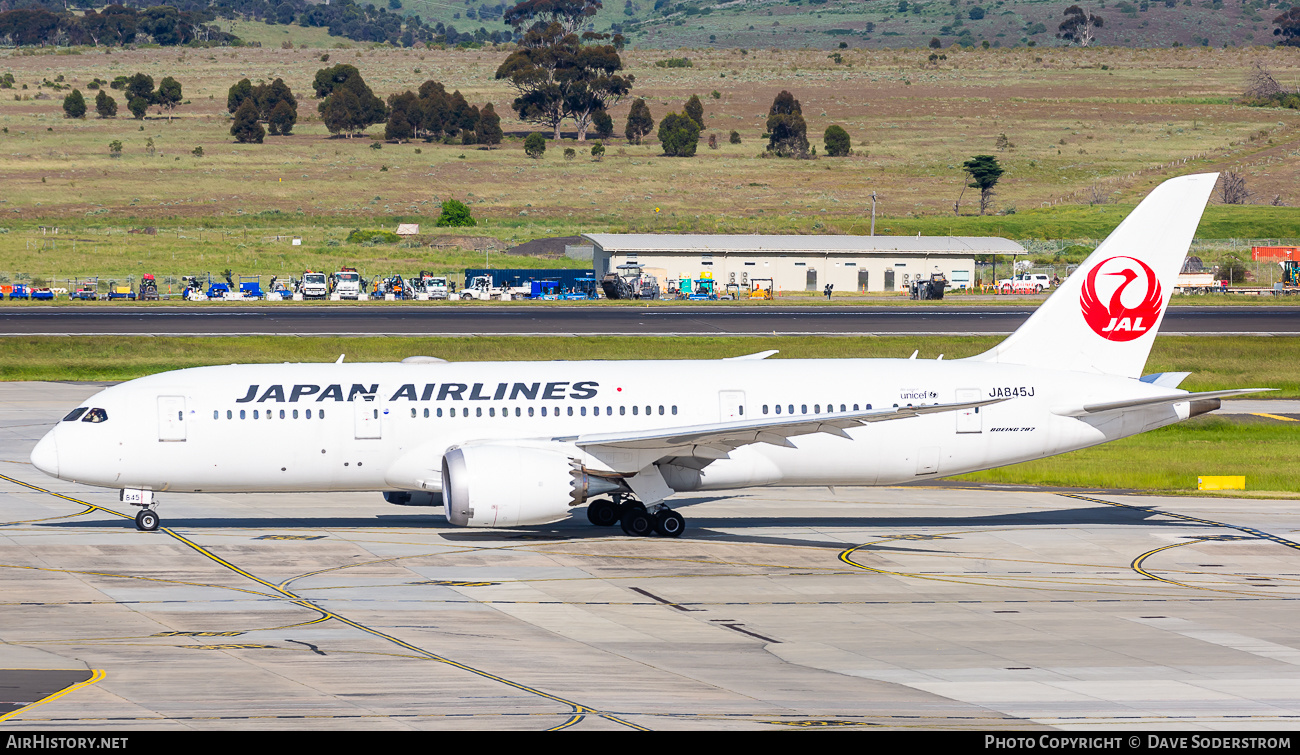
45 456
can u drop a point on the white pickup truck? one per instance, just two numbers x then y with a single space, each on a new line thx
481 288
1025 283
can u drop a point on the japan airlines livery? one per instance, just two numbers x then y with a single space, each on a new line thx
506 444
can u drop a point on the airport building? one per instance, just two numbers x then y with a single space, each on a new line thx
799 263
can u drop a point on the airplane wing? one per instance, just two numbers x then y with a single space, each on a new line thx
631 451
1143 403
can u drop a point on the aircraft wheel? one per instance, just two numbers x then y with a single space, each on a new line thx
637 522
669 523
146 520
602 513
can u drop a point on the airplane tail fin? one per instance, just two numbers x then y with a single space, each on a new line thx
1104 317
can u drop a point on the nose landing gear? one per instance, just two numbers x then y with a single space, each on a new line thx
146 520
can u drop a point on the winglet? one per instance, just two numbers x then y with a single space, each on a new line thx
752 357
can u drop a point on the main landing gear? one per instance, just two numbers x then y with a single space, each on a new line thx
635 518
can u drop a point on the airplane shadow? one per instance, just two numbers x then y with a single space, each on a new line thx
703 529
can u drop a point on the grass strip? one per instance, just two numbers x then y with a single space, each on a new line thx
1170 459
1215 362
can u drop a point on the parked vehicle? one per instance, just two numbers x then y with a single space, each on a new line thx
20 291
1197 283
929 289
429 286
86 291
1025 283
148 290
313 285
42 294
347 284
761 288
120 292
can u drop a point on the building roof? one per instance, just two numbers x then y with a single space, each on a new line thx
408 229
683 243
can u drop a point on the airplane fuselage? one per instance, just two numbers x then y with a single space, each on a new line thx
362 427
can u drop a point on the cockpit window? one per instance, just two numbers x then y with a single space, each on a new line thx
75 414
96 415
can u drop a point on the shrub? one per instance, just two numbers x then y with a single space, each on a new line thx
245 128
694 109
675 63
535 146
639 122
359 236
115 148
569 153
455 214
597 151
603 124
735 137
74 105
679 135
837 141
138 106
105 106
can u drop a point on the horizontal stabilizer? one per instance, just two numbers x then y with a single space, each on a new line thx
1144 403
751 357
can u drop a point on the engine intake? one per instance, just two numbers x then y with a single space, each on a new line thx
497 485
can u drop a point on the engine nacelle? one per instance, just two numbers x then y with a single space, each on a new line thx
500 485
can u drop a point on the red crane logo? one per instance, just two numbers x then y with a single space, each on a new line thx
1115 321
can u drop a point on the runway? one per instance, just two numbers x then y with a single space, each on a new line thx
962 609
380 319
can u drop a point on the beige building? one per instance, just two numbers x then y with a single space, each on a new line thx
800 263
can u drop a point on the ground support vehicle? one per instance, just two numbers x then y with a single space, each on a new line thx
148 290
42 294
702 289
761 288
584 289
250 287
929 289
544 290
1290 273
348 284
120 292
312 285
86 291
20 291
429 286
1197 283
278 291
732 292
481 288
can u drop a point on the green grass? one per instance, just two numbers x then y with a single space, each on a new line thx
1170 459
1216 363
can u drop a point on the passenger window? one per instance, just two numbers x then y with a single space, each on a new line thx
281 414
426 412
478 411
791 407
309 414
95 416
817 409
492 412
634 410
583 411
803 408
530 411
230 414
570 411
439 412
661 410
241 414
622 410
256 415
778 408
321 414
543 411
295 414
675 410
75 414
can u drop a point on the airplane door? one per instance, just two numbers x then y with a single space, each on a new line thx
171 418
969 420
731 406
369 419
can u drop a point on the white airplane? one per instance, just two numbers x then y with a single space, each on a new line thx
507 444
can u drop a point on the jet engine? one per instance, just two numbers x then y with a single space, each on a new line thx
497 485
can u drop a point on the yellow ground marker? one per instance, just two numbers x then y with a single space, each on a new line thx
98 675
1222 482
1275 416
